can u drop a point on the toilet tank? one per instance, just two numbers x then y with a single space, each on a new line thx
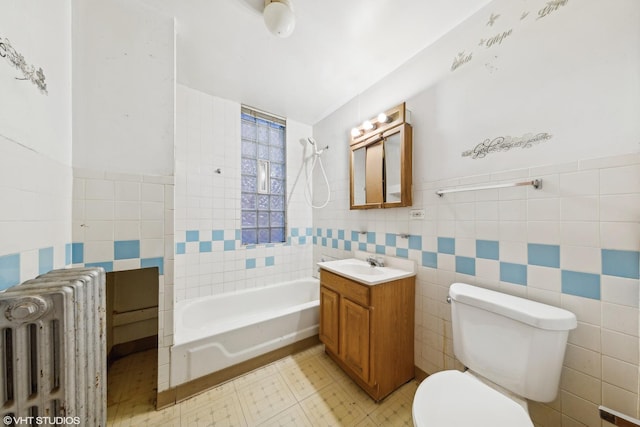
514 342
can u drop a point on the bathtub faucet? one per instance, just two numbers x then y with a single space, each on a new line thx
375 262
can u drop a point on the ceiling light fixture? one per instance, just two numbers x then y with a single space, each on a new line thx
279 17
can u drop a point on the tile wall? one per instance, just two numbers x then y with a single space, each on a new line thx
575 243
123 222
35 223
210 258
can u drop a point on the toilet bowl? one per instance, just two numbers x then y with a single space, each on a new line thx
513 349
453 398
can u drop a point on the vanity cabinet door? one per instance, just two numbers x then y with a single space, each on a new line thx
329 318
354 337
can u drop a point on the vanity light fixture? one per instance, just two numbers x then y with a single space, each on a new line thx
279 18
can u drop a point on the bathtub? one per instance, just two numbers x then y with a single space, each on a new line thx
215 332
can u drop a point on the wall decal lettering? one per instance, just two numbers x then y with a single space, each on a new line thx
505 143
492 19
461 59
552 6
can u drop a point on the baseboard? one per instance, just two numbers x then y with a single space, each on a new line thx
420 374
189 389
119 351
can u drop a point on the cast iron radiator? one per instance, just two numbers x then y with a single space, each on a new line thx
53 350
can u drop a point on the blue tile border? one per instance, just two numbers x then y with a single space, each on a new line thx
466 265
107 265
513 273
9 271
617 263
585 285
153 262
45 260
621 263
126 249
488 249
543 255
429 259
446 245
77 253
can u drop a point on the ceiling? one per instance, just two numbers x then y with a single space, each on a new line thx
337 50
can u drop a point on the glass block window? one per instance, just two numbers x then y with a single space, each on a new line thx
263 178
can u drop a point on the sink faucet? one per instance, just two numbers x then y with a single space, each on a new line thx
375 262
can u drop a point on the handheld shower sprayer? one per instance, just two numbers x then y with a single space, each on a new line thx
316 156
317 152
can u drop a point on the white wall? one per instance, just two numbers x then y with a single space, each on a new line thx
575 74
123 88
123 123
35 142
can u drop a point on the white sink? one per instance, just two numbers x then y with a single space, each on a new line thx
361 271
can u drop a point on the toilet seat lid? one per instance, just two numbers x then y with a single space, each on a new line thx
452 398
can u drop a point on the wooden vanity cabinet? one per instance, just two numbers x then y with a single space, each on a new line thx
368 330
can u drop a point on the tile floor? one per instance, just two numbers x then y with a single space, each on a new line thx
306 389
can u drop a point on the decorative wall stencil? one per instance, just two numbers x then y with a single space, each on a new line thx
497 39
461 59
492 19
552 6
505 143
29 71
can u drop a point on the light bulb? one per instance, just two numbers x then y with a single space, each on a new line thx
367 125
383 118
355 132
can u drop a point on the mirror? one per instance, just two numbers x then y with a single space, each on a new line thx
359 167
381 162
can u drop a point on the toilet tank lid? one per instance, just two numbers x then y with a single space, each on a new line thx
541 316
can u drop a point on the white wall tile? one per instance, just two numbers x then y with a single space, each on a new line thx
584 208
98 251
583 183
127 191
513 252
513 210
127 210
620 318
620 290
584 233
99 190
620 180
546 232
619 373
622 207
581 258
543 209
620 346
99 210
620 235
546 278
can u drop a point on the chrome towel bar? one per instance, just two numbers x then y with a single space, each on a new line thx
535 183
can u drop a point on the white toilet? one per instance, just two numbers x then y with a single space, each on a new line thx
513 349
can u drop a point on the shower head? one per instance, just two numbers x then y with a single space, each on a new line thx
311 140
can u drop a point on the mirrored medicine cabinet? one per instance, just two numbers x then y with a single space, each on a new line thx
381 162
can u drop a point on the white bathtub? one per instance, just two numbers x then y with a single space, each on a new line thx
215 332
